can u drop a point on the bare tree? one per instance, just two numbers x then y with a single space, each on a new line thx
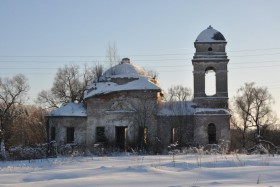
13 92
69 85
28 127
152 73
144 109
178 93
98 71
252 110
112 54
48 100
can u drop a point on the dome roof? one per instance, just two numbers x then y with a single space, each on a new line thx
124 69
122 77
210 35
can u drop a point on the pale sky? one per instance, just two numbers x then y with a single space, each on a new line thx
39 36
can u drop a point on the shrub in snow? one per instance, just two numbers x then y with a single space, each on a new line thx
189 150
213 149
71 149
28 152
67 149
52 149
264 147
98 149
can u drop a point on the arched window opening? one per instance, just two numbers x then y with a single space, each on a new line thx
210 82
210 49
212 133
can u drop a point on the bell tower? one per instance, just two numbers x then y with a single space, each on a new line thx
210 55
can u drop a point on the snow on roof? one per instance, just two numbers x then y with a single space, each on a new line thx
122 77
70 109
177 108
108 87
124 69
210 35
211 111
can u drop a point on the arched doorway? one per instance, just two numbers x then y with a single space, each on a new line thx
211 133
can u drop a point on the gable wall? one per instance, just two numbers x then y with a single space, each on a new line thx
116 109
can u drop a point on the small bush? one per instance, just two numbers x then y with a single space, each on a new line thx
28 152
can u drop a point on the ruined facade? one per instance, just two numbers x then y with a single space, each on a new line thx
125 107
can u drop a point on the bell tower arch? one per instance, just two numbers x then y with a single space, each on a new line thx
210 56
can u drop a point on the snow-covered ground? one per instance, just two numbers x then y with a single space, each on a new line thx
165 170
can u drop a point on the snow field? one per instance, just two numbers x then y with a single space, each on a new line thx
159 170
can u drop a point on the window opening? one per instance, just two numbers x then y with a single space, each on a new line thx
210 49
173 135
52 133
210 82
70 135
212 133
100 134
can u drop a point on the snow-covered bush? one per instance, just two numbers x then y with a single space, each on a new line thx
71 149
212 149
28 152
264 147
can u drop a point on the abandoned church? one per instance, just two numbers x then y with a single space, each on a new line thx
125 107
